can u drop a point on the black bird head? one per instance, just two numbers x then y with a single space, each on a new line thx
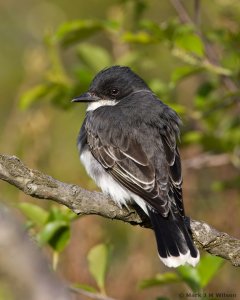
113 84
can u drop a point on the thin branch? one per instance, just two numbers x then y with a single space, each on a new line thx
83 202
184 17
197 13
90 294
207 160
182 13
211 54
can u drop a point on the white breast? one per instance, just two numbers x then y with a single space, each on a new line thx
108 185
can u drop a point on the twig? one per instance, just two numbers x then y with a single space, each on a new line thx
211 54
185 18
207 160
89 294
197 13
39 185
183 15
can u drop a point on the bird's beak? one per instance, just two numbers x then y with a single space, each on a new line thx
86 97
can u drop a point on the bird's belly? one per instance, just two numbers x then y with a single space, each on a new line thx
108 185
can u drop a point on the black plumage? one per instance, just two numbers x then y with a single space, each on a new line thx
129 136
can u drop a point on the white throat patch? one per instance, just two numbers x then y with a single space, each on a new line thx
96 104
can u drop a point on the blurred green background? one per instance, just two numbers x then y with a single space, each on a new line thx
50 51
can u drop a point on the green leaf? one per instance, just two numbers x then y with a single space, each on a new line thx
192 137
160 279
59 213
183 72
76 31
111 25
94 57
84 287
203 96
60 96
98 262
190 276
61 239
188 40
165 32
208 268
56 234
197 278
140 37
205 89
34 213
32 95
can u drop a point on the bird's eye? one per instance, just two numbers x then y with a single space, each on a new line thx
114 92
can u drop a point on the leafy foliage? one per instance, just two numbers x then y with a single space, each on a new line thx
53 226
98 258
195 278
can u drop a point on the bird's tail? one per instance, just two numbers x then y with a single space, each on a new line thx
174 241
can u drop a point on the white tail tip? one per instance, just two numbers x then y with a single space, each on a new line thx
182 259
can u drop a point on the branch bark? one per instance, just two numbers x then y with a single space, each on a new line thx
83 202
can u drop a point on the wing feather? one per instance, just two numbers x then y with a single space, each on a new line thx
155 177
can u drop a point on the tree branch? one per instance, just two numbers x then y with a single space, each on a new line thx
83 202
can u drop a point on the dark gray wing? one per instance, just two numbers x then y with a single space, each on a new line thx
175 175
153 172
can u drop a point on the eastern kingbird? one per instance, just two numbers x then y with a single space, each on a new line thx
127 144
